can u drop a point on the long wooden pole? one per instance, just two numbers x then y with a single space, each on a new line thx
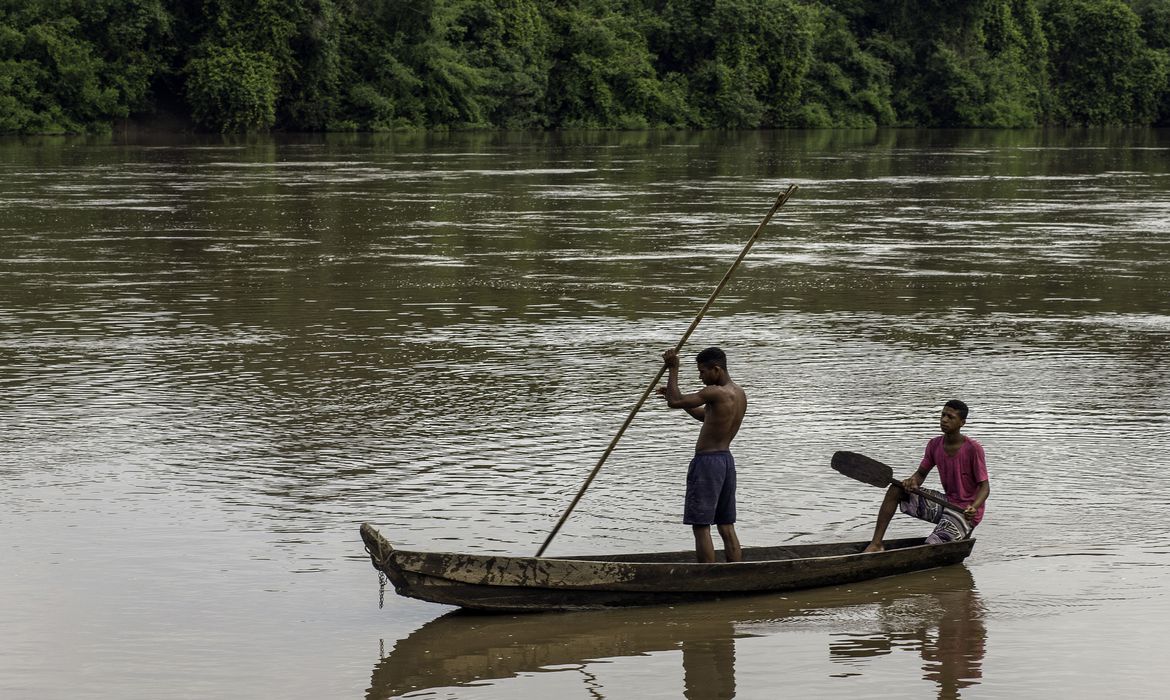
780 200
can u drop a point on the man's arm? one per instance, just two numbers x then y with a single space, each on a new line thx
981 495
694 404
980 475
915 480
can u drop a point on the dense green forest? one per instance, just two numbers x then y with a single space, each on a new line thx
378 65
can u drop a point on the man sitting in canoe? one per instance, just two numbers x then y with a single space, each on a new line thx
962 468
720 405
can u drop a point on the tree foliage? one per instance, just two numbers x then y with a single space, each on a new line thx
1103 70
603 74
232 89
76 65
847 84
243 65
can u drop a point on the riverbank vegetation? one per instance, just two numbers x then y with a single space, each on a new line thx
381 65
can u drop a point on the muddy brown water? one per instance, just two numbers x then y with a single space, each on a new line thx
218 358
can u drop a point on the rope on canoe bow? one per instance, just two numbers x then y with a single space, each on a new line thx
378 563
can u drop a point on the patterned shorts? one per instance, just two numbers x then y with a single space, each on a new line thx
949 525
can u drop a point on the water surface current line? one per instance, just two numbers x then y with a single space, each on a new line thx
780 200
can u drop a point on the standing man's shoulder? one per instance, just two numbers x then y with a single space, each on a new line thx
712 393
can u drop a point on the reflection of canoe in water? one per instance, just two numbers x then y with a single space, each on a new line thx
503 583
459 649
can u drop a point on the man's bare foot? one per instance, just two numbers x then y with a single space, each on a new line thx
873 548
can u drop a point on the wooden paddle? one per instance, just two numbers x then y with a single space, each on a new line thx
780 200
873 472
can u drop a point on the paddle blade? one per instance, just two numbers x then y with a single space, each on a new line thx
862 468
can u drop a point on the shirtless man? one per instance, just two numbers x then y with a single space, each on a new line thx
720 405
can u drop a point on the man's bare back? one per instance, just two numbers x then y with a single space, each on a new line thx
720 404
724 407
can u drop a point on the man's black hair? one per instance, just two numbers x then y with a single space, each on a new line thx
712 356
958 406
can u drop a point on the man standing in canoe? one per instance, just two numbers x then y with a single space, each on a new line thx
962 468
720 405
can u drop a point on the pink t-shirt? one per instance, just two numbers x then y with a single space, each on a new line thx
961 474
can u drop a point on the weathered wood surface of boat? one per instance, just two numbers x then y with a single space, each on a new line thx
517 584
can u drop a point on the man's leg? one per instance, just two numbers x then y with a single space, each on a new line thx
885 514
704 548
731 548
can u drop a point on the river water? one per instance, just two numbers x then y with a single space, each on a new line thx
219 357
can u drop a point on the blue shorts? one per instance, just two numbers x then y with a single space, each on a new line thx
710 489
949 525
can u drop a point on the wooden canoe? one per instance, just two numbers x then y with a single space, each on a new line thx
530 584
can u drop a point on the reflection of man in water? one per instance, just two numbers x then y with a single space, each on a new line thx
954 659
945 627
709 668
